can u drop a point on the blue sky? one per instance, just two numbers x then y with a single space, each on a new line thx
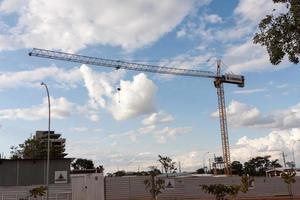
152 114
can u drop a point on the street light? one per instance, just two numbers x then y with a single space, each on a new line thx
294 152
48 143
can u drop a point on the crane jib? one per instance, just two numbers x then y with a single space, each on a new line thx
117 64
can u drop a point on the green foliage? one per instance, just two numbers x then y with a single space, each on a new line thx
289 178
35 149
119 173
36 192
281 34
257 166
200 171
15 153
82 164
100 169
167 164
154 185
246 182
237 168
220 191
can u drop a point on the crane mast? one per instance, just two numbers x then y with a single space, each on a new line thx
219 79
223 120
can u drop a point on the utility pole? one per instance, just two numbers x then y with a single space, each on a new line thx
283 156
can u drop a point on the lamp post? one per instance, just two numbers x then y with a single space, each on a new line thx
48 143
294 152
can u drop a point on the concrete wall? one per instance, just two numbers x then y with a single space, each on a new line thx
30 172
57 192
133 188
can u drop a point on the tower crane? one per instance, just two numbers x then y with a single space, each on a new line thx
219 79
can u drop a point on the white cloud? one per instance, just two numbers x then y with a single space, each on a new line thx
255 10
243 115
249 91
112 160
158 118
213 18
245 148
136 97
161 135
33 78
131 135
60 108
147 129
167 133
272 144
100 85
246 57
247 16
282 86
12 5
129 24
185 61
84 129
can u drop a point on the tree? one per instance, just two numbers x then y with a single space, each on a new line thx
281 34
259 165
36 192
200 171
120 173
167 164
82 164
220 191
246 182
237 168
100 169
289 178
15 153
33 148
154 185
290 164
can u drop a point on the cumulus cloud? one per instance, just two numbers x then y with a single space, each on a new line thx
33 78
129 24
157 118
255 10
243 115
273 144
248 57
245 148
213 18
168 133
161 135
100 85
113 160
60 108
135 98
